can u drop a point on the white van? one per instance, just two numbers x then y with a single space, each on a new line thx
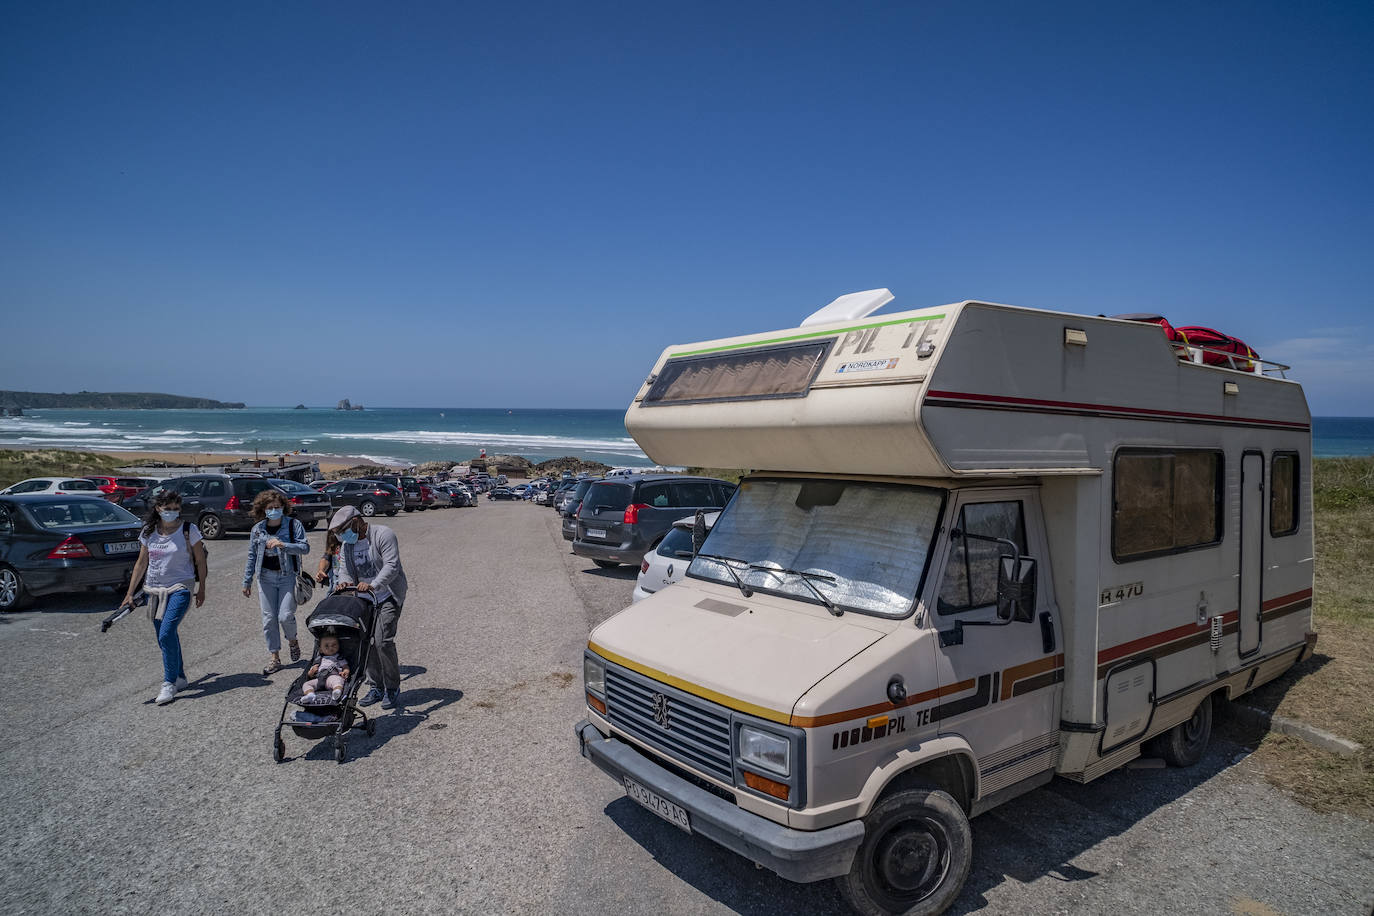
980 546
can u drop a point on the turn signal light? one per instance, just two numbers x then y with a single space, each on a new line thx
69 549
632 512
766 786
597 704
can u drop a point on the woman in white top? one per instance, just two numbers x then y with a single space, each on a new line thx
170 562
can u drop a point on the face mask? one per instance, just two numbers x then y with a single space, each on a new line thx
274 515
349 537
168 515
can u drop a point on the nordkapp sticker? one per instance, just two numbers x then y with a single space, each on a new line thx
869 365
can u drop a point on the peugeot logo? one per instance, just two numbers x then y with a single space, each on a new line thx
661 711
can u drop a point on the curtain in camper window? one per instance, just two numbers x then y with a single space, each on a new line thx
1165 501
777 372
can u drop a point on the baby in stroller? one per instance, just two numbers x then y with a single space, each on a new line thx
329 673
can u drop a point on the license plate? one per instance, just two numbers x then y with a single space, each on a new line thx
656 803
122 547
595 533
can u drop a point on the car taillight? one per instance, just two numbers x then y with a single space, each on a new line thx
632 512
295 500
69 549
577 513
233 505
379 492
644 566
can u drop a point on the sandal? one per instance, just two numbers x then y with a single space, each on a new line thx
295 648
273 665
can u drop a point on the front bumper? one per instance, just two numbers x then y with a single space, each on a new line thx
797 855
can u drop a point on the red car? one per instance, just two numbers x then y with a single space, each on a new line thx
117 489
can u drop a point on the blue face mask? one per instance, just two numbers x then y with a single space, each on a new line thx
274 515
168 515
349 536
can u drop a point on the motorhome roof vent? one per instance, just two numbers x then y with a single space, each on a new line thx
850 307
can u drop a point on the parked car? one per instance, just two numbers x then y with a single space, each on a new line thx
58 486
623 519
139 502
218 503
439 496
571 505
369 496
117 489
521 490
53 543
407 485
307 504
501 493
562 492
320 484
667 563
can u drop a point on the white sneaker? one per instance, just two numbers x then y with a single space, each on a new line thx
180 684
166 694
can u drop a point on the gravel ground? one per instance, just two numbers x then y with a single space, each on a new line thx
473 798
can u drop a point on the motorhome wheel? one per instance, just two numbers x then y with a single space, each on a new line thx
1185 743
914 858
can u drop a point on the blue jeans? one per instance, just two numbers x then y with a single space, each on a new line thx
178 603
277 598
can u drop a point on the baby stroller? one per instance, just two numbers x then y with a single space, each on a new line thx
348 616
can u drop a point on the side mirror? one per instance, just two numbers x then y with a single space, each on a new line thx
1016 589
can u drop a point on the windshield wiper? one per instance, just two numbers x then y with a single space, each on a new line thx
806 577
744 590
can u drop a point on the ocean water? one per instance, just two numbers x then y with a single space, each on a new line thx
414 435
389 435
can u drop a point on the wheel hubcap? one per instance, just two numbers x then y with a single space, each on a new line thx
1193 729
9 588
912 860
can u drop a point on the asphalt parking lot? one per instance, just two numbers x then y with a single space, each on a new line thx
473 799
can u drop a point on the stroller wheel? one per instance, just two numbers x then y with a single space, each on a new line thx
340 751
278 749
371 728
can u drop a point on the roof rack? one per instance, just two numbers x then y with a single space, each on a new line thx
1251 364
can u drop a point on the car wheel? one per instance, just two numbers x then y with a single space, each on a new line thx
312 524
1185 743
606 564
914 858
210 527
391 512
367 508
12 595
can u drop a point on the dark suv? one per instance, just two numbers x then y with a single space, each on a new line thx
572 504
369 496
410 486
622 518
217 503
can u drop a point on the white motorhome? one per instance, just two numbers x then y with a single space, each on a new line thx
979 546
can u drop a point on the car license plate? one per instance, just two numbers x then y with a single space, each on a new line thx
122 547
595 533
656 803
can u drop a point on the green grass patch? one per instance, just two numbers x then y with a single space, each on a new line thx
21 464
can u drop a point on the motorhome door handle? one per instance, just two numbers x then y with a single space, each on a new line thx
1047 631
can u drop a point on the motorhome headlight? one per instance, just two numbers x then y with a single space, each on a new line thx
594 675
765 750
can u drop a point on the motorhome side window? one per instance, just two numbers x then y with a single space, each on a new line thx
970 579
1165 501
1283 494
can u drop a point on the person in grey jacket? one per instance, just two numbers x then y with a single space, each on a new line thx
370 560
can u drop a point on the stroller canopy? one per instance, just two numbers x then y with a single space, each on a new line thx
341 613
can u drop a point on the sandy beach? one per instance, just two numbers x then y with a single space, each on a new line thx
327 463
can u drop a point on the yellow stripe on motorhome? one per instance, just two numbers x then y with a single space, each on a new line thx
807 336
762 712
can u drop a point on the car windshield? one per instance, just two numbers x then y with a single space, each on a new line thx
290 486
77 513
864 546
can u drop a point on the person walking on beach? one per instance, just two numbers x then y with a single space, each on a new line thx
171 559
275 546
370 559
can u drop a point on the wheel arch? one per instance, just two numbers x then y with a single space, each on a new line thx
946 763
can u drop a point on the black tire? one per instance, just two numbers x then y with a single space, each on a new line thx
607 564
12 594
340 751
312 524
1185 743
915 855
278 749
371 728
367 508
211 528
390 513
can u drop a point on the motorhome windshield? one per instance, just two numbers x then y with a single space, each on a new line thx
863 545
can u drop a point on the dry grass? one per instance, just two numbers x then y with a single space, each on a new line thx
21 464
1333 689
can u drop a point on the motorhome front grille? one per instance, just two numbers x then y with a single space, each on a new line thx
681 726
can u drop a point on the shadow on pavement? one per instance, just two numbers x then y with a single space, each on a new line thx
212 683
627 573
1035 836
416 707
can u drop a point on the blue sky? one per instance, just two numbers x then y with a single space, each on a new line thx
520 205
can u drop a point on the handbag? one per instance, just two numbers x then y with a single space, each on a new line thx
305 586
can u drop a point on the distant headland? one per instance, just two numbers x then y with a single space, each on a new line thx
12 402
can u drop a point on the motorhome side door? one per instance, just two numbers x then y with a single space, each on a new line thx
1000 687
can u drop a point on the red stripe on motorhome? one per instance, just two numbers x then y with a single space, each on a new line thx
1007 402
